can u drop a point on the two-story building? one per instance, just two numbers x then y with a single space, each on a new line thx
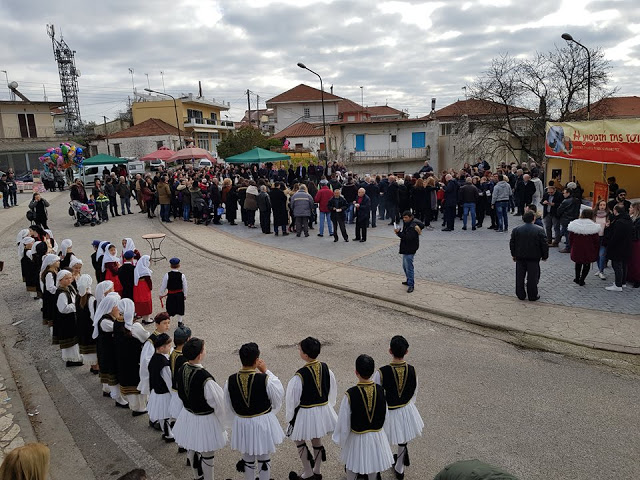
198 118
26 131
137 141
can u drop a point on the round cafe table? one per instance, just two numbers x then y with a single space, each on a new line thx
155 242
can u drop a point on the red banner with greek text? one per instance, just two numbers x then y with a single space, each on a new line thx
602 141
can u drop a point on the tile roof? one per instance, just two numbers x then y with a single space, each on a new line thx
302 129
613 107
346 105
148 128
475 107
302 93
384 110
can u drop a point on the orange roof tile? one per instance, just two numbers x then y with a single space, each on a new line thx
302 93
302 129
613 107
384 110
475 107
148 128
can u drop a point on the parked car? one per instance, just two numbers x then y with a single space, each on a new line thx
202 163
157 164
135 167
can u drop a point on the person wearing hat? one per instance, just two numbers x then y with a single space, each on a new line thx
620 199
180 336
48 272
96 259
174 287
65 253
64 322
160 386
125 275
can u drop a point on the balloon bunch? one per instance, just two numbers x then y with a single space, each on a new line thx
63 157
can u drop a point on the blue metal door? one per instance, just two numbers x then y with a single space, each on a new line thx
360 143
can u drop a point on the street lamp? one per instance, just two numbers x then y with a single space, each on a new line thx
324 125
569 38
175 107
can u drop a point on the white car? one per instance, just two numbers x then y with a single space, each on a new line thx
203 162
157 164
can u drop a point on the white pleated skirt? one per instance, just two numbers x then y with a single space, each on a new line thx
256 435
201 433
314 422
403 424
176 405
158 406
367 452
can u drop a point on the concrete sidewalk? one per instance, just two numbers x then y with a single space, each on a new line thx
585 328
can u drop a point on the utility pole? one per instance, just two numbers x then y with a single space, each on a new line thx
258 110
162 75
106 135
249 106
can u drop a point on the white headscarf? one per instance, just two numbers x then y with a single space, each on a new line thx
106 305
49 232
32 252
48 259
66 243
107 257
101 290
128 309
142 269
101 248
61 274
84 284
21 234
129 245
74 261
23 243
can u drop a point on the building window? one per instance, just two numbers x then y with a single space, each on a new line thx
27 124
116 150
351 118
203 141
394 138
307 112
418 140
445 129
159 144
360 143
299 146
472 127
214 116
215 135
194 115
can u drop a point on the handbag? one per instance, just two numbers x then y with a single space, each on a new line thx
31 216
71 212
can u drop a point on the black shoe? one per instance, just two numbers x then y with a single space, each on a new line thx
576 280
335 239
95 371
363 240
74 364
137 414
284 234
180 324
106 394
116 215
182 450
346 239
473 228
410 289
357 239
464 228
447 229
168 439
122 405
390 223
405 283
534 299
155 425
320 235
298 234
276 234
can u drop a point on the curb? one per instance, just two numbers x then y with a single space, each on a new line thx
619 349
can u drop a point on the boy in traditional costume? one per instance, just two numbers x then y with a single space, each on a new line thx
174 287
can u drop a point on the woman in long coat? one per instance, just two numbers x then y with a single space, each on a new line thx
633 274
230 199
279 208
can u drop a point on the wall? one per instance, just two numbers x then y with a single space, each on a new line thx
165 111
289 113
136 146
312 143
11 127
588 172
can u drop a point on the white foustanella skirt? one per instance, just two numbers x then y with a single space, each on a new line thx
159 406
403 424
314 422
256 435
367 452
201 433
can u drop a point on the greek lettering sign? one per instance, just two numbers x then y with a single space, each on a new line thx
602 141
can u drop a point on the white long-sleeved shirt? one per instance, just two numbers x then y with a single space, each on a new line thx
50 283
64 306
213 394
138 331
165 279
294 392
145 357
275 392
376 379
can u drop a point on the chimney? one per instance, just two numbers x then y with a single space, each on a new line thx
331 89
199 89
433 104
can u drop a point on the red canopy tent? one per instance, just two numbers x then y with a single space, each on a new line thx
163 153
189 153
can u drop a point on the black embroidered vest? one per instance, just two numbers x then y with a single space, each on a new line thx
315 384
368 407
399 383
156 365
248 392
190 383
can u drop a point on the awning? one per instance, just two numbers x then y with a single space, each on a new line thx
257 155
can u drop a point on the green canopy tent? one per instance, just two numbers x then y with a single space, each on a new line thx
258 155
103 159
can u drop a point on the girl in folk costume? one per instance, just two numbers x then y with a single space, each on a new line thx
129 337
160 386
174 283
64 323
75 267
142 287
26 264
102 290
163 323
199 427
65 253
400 384
104 319
359 432
99 257
48 272
37 253
311 396
48 238
38 233
24 233
127 244
97 265
110 266
126 275
85 310
176 360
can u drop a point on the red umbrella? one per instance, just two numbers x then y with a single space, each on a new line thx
191 152
163 153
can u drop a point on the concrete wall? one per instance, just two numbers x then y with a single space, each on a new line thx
136 146
11 127
289 113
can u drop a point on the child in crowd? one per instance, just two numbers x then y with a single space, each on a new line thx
400 385
311 396
95 262
364 446
174 283
176 360
91 203
102 206
538 216
160 386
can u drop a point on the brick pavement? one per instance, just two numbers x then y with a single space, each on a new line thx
373 269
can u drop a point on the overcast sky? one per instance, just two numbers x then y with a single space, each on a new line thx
401 52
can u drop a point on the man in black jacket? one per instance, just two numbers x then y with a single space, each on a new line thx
391 200
528 246
362 205
373 192
409 244
551 201
568 211
338 207
619 238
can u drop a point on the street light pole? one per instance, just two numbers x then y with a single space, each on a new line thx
175 108
324 125
569 38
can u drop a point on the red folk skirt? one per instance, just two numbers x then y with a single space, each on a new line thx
109 275
142 298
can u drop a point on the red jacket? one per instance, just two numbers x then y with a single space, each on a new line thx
322 198
584 237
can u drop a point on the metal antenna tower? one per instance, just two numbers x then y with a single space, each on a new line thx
68 81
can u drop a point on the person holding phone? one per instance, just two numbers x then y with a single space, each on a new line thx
409 244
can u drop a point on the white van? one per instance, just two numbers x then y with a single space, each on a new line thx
135 168
203 162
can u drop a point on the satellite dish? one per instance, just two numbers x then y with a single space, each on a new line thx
13 85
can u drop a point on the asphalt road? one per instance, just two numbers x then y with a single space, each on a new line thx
538 415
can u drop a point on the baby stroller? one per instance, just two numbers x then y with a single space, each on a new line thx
82 213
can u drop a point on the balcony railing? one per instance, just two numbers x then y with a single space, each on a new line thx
382 156
207 122
14 132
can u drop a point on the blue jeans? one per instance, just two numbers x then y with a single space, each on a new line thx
602 256
186 211
327 216
469 207
502 209
407 266
164 212
350 212
125 202
564 233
